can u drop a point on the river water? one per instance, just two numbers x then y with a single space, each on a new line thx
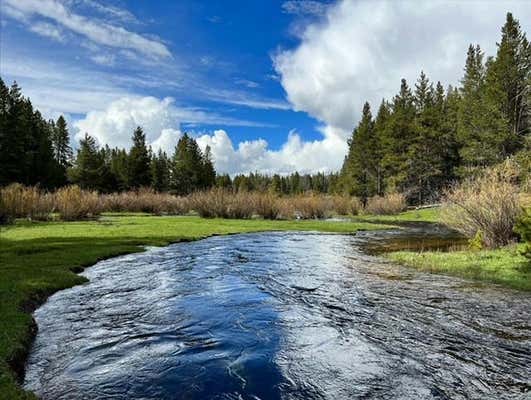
279 316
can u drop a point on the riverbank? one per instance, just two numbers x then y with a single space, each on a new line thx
38 259
504 266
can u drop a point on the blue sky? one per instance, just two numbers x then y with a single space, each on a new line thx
274 86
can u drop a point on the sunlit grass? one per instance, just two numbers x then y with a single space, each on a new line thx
505 266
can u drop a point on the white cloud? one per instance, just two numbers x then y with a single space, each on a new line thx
48 30
104 59
97 31
361 50
112 12
295 155
160 118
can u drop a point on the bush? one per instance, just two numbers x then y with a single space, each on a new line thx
145 200
19 201
345 205
487 204
74 203
393 203
266 205
523 227
221 203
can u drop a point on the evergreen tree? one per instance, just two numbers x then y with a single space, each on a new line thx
223 181
87 168
61 148
359 172
139 173
398 137
508 84
118 166
481 129
187 166
208 178
160 176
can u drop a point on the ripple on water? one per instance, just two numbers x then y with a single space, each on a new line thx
278 315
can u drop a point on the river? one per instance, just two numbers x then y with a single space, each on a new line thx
279 316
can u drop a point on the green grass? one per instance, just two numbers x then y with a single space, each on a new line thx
38 259
505 266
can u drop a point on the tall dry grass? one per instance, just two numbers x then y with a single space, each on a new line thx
73 203
222 203
19 201
393 203
146 200
485 207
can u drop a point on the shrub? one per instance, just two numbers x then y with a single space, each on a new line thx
523 227
265 205
487 203
74 203
221 203
345 205
392 203
19 201
145 200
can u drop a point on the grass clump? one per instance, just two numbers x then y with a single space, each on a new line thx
485 206
19 201
505 266
73 203
390 204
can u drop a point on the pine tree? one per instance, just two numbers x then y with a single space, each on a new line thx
61 148
508 84
118 166
359 173
398 137
187 166
160 173
381 124
87 167
482 129
208 178
139 173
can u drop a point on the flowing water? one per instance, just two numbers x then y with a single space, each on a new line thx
279 315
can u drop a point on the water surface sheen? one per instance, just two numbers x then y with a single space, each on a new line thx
278 315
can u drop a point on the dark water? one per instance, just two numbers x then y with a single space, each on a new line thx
279 315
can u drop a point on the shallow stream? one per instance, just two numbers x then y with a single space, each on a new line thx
279 316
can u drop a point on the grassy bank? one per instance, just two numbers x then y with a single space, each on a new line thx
38 259
503 266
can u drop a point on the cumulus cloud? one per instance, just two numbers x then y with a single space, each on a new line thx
361 49
295 155
99 32
160 118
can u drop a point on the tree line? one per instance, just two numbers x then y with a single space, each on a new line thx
427 137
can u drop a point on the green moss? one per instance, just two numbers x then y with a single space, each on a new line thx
505 266
38 259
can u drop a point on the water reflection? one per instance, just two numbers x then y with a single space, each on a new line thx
278 315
